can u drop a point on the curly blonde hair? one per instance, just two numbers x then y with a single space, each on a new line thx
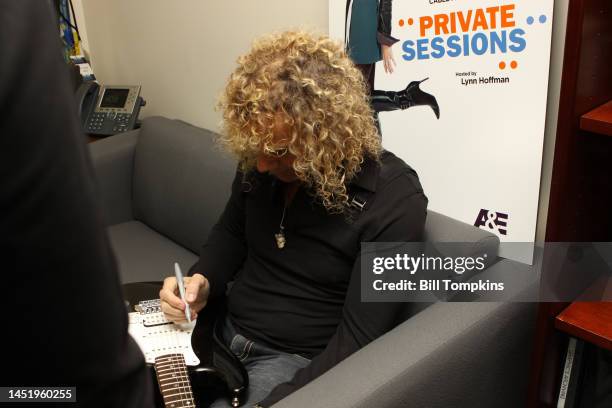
310 81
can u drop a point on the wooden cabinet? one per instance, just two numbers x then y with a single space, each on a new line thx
581 186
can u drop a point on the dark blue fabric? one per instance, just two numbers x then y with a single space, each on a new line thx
363 47
266 367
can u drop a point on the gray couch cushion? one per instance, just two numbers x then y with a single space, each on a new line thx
144 255
181 180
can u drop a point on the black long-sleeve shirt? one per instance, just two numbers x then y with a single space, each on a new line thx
305 298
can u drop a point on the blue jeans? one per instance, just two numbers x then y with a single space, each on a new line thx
266 367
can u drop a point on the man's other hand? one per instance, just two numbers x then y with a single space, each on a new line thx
197 290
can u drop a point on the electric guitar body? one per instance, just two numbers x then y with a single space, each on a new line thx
190 366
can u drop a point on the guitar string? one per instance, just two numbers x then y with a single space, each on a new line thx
171 361
179 364
189 389
183 382
185 368
174 363
177 361
169 364
165 344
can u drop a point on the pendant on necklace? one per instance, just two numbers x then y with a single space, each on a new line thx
280 239
280 236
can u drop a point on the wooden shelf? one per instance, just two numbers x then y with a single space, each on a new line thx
590 321
599 120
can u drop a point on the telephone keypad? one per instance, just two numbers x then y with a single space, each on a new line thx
118 122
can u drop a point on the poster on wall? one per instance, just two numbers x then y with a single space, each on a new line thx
460 87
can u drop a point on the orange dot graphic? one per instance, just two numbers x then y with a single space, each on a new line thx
502 65
513 64
401 22
410 21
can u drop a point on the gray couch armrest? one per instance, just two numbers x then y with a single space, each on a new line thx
449 355
440 229
113 161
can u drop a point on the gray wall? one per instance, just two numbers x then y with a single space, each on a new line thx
182 52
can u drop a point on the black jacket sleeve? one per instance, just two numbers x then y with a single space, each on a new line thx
61 289
384 23
225 249
363 322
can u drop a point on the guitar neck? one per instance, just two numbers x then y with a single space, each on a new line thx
173 380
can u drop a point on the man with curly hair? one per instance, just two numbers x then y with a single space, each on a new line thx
313 183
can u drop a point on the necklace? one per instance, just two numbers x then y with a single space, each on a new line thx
290 192
280 235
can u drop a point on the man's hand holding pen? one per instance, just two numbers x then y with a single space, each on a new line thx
197 290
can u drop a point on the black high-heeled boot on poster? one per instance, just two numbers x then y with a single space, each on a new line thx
412 95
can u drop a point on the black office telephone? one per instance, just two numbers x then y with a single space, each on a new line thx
108 109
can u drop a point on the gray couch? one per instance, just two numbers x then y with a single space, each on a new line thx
164 185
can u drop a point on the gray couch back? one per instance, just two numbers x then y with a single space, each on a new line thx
181 180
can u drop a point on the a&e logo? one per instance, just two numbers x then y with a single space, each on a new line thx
493 220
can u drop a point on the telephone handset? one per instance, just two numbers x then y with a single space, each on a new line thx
108 109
